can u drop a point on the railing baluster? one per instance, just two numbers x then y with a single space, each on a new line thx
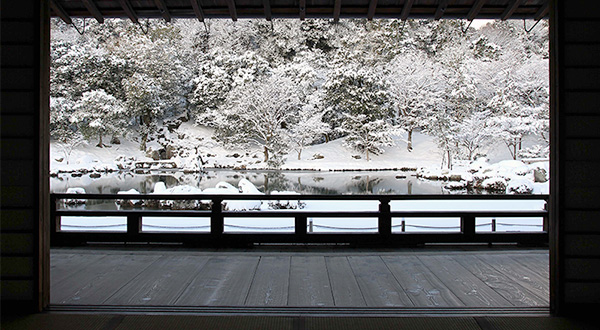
385 217
217 223
300 225
134 225
467 225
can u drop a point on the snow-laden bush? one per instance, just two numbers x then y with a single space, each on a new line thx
286 204
494 184
75 190
519 186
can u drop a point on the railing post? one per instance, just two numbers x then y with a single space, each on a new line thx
300 225
493 225
467 225
217 223
134 225
385 217
545 219
403 226
55 222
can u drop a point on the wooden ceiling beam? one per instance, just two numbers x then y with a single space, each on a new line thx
126 5
162 8
542 12
267 6
91 7
302 10
406 9
510 9
475 9
441 9
61 12
232 10
198 10
337 9
372 8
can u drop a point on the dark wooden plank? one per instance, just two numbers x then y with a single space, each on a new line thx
63 266
582 221
581 55
100 280
582 31
423 288
377 284
309 282
466 286
582 126
581 173
582 149
271 282
582 269
516 294
580 198
162 283
16 267
580 9
582 293
345 289
223 281
522 275
16 243
582 245
581 103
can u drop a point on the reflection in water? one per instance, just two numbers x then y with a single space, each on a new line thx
309 182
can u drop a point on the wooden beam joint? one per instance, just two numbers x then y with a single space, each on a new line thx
441 9
198 10
475 9
406 9
232 10
372 9
91 7
61 12
162 8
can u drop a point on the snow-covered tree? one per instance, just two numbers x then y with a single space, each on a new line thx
307 128
366 135
97 114
259 113
415 88
145 104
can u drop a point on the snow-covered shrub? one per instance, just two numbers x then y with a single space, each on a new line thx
75 190
519 186
494 184
126 203
456 185
286 204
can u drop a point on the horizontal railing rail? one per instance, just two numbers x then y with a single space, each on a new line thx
214 234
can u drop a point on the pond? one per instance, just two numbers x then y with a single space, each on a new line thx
304 182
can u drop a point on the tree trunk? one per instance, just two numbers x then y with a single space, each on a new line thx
449 159
266 154
100 144
299 153
409 146
367 154
143 143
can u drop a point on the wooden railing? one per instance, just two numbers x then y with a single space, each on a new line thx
217 236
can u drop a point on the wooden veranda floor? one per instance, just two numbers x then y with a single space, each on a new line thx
301 277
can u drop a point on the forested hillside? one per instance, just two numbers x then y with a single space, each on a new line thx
281 86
